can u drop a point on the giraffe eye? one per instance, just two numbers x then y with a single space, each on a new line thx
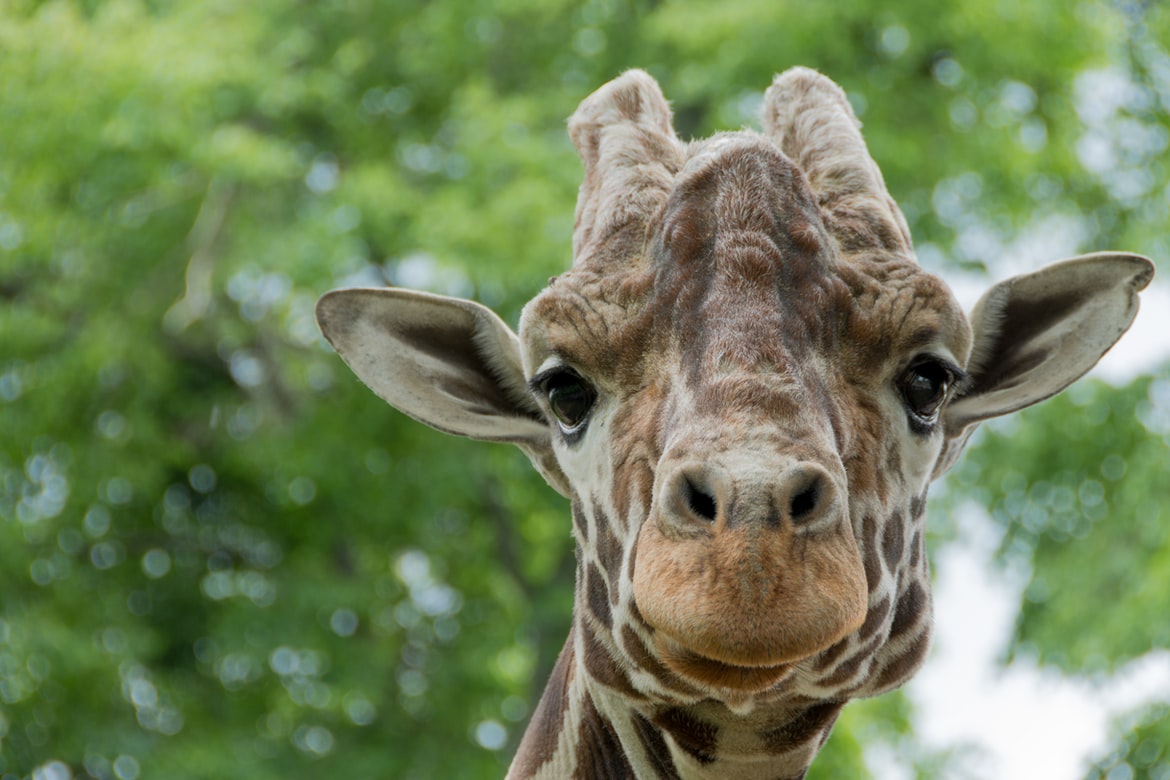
925 386
570 397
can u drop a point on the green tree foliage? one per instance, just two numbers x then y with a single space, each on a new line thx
222 557
1142 750
1079 488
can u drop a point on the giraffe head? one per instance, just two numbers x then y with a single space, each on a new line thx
745 384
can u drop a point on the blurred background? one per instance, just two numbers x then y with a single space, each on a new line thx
220 556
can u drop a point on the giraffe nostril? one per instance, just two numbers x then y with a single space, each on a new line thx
700 503
804 502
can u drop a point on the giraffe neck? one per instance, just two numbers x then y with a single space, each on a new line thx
584 729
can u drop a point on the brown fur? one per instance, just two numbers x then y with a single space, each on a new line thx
599 751
535 752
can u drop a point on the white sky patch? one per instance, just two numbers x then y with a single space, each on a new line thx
1015 722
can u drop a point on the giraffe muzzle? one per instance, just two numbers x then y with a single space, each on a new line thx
744 571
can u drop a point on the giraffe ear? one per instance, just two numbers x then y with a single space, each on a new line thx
449 363
1034 335
1037 334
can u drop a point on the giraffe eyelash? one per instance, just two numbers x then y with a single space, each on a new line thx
569 396
926 386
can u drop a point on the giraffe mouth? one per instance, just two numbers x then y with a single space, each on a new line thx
719 674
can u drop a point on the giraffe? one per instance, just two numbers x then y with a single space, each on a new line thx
745 385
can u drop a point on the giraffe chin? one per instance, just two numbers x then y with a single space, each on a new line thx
719 674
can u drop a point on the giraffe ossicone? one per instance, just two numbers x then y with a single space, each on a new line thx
744 384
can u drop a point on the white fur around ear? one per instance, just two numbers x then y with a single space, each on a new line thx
1036 334
449 363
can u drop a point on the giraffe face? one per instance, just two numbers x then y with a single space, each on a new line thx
727 404
745 384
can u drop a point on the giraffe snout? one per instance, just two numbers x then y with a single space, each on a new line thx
747 564
708 498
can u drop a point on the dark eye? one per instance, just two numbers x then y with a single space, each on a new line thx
924 387
570 397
